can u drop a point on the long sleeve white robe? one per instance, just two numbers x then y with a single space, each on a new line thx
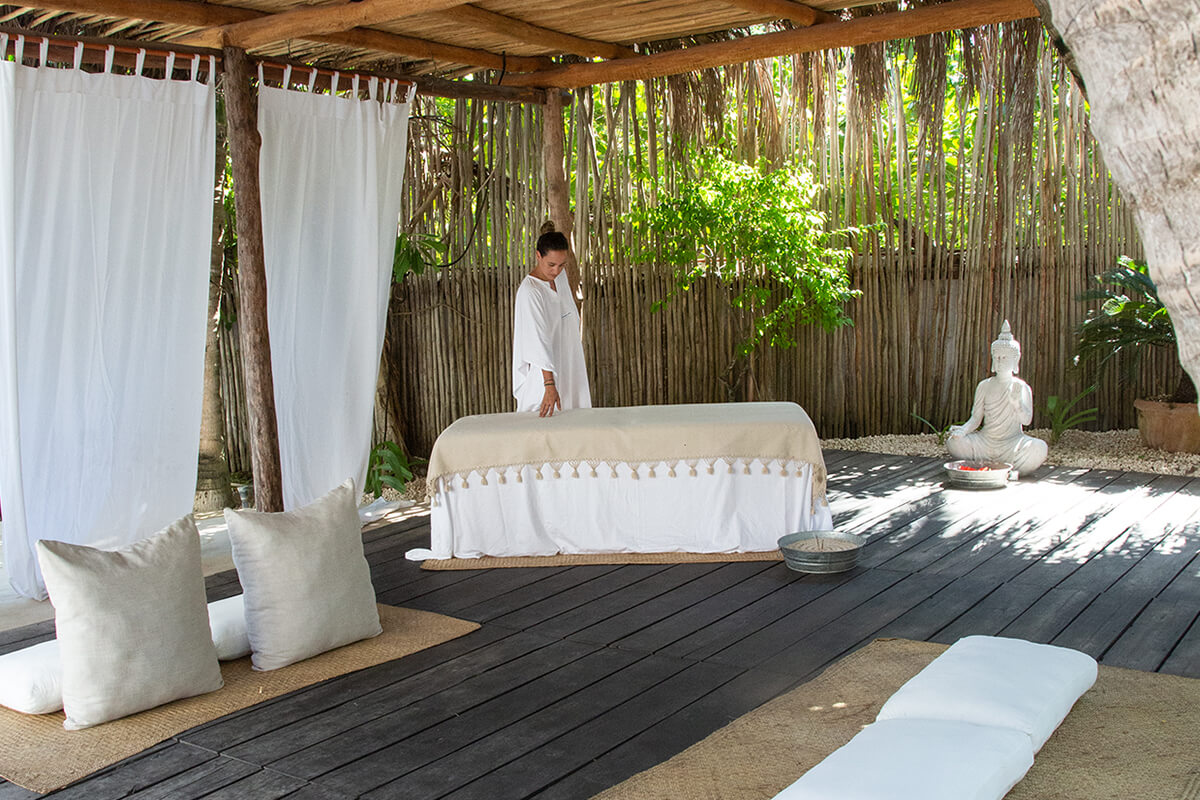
546 337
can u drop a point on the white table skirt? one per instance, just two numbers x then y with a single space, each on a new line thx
724 512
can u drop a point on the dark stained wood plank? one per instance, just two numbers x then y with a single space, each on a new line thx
1185 656
328 741
578 596
818 649
527 595
198 781
262 785
680 730
1150 638
854 590
440 759
158 763
578 746
634 619
301 718
10 791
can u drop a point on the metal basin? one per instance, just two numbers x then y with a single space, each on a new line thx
978 474
821 551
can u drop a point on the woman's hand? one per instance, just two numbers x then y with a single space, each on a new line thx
550 401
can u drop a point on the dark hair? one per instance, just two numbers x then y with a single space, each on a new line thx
551 240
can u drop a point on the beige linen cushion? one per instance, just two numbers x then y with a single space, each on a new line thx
132 624
306 583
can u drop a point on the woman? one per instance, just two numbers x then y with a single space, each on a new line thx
548 368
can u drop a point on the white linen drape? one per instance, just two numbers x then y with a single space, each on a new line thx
331 169
105 225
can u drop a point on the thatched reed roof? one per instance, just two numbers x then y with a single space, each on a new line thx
524 43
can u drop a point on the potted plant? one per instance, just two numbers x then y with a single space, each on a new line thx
1131 320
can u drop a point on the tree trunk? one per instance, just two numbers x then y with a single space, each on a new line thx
212 477
1140 64
241 111
556 182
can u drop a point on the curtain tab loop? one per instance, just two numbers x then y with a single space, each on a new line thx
212 70
354 86
333 83
78 55
44 53
373 88
260 73
287 76
19 49
141 62
312 80
170 68
110 55
195 67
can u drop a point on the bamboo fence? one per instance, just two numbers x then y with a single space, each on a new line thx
995 205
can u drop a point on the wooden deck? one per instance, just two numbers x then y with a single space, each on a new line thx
583 676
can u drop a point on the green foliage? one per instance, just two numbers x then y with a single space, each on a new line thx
1131 319
941 433
389 466
1061 417
758 230
414 253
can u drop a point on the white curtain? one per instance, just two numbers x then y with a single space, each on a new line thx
331 169
105 222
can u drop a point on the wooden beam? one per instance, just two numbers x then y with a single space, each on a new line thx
919 21
798 13
533 34
244 143
204 15
313 20
382 41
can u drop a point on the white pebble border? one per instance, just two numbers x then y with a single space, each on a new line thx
1117 450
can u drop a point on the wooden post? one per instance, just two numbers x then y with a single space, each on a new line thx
241 108
556 181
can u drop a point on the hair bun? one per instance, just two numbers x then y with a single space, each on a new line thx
547 227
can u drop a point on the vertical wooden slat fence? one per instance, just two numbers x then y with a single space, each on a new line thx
973 227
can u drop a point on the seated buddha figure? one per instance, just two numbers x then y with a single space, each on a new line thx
1003 406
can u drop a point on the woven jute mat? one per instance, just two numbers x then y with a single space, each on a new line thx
578 559
38 754
1133 735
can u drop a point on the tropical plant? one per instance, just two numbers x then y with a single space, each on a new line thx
942 433
414 253
389 466
1061 417
1130 321
758 230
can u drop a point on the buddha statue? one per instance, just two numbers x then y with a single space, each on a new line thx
1003 406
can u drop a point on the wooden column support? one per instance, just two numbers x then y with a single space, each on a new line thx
241 107
557 191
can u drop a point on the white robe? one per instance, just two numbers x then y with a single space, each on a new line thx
546 337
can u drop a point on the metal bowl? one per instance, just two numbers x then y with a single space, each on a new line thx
821 551
978 474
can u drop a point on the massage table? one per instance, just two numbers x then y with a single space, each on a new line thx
705 478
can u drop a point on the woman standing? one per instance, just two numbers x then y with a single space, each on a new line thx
548 368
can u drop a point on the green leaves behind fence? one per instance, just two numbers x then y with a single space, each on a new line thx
390 467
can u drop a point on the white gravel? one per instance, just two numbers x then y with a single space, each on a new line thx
1119 450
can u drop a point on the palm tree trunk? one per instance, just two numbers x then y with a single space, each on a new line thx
213 492
1139 61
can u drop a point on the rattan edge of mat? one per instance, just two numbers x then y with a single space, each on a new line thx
581 559
37 754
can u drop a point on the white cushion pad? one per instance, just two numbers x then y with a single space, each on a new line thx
227 619
132 624
31 679
306 583
919 759
989 680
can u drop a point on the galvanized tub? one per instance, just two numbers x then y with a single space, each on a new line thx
821 551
